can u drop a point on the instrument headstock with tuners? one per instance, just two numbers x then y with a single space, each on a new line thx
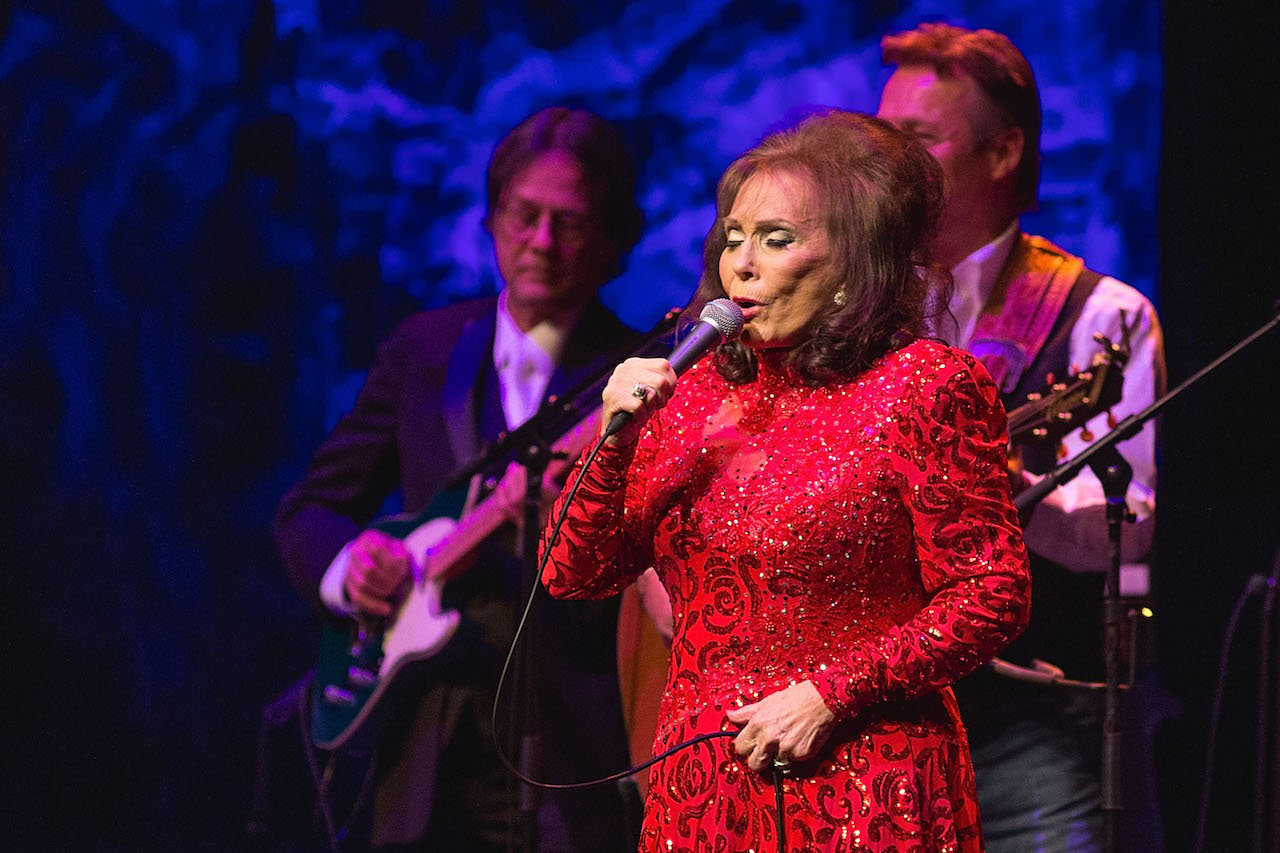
1067 405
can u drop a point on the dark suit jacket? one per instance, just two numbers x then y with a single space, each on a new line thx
429 403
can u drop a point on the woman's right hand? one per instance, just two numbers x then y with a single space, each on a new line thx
378 573
640 386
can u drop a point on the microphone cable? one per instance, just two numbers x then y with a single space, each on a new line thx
777 773
1253 585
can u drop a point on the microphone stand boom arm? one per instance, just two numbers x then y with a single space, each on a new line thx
1115 474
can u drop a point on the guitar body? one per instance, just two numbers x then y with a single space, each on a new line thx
361 663
643 659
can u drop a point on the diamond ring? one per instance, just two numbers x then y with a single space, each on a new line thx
640 392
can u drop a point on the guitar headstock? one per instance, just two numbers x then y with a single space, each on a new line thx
1065 406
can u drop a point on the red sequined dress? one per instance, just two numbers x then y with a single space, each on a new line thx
860 536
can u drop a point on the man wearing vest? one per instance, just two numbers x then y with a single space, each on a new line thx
1028 310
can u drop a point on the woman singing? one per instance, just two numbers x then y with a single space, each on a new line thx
826 502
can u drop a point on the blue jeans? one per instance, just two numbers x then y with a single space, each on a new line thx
1038 779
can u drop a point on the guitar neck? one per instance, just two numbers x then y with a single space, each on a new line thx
448 557
1022 421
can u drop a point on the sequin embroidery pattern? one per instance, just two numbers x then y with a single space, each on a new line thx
860 536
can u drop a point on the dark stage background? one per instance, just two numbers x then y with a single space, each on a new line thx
213 211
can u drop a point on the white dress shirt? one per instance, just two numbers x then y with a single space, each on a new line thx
1069 525
526 360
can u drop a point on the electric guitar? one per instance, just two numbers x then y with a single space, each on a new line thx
363 660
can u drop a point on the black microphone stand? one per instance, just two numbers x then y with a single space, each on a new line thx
530 444
1115 474
535 457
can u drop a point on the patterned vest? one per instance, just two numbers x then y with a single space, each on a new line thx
1025 306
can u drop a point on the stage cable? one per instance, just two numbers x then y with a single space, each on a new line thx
1254 584
334 834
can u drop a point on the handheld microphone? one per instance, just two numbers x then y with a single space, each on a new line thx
721 320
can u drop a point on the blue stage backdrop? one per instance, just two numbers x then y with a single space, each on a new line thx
214 211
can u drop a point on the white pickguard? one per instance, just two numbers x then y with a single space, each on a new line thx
422 626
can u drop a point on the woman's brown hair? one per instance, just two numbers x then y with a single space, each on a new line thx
879 194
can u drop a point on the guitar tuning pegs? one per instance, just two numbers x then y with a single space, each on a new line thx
361 677
1033 396
1086 435
1062 450
335 695
1049 379
1075 368
1111 420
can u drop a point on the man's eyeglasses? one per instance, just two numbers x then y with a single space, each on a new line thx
521 221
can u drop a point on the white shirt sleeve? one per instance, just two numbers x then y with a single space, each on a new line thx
1069 525
333 584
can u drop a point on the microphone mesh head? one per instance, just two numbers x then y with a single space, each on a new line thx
725 315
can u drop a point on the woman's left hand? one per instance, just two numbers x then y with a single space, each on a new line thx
790 725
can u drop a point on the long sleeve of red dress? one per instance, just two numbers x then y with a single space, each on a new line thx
859 536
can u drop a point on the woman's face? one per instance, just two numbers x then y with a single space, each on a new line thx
776 264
